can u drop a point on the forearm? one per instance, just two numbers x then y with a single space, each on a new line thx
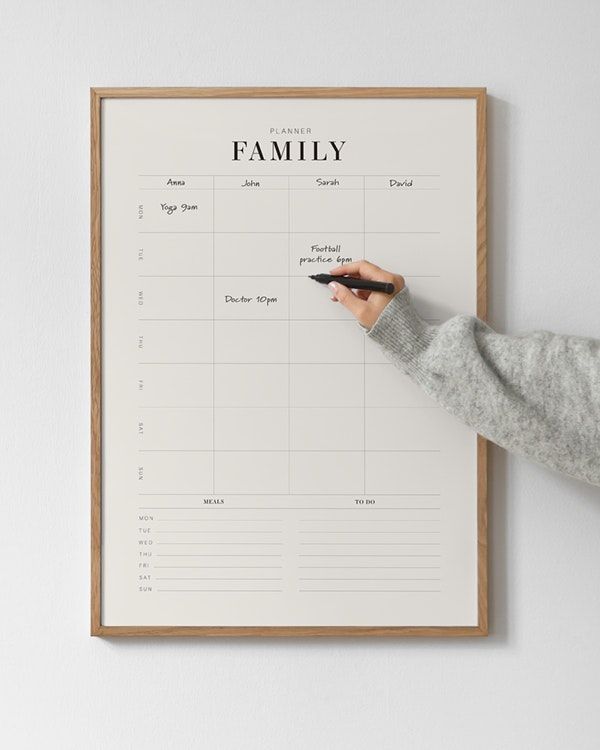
537 394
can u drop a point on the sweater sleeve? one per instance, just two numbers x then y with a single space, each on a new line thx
536 394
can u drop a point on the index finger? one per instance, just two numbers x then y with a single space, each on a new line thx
362 268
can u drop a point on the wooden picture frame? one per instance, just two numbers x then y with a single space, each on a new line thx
98 95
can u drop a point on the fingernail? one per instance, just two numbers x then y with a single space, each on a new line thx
333 286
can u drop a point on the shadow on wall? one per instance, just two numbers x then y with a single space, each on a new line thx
498 232
501 617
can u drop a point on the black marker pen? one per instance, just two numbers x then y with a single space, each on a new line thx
372 286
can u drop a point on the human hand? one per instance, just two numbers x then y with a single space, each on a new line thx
366 306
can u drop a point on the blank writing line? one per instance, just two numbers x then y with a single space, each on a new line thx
373 591
353 555
367 544
371 520
219 591
361 579
205 578
221 544
222 520
234 567
162 554
252 531
366 567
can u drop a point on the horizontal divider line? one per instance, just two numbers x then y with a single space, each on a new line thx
305 408
224 510
266 320
337 364
299 494
254 276
228 508
282 232
323 175
260 188
272 507
280 520
288 450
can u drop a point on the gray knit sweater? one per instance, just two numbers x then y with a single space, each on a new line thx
537 394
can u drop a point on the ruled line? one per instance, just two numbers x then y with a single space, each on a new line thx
236 508
221 567
224 520
226 531
269 320
296 494
219 578
356 579
223 544
220 591
255 276
393 175
372 520
368 567
285 450
371 591
163 554
367 544
329 231
355 555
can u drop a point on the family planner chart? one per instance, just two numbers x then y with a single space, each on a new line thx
264 463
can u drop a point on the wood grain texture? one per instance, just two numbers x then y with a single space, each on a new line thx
482 443
96 97
290 92
292 631
96 364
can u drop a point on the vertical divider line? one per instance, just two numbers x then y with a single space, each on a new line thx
289 268
364 353
213 336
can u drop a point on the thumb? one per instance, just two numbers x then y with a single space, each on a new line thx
350 301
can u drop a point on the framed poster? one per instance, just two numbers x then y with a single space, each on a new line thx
258 466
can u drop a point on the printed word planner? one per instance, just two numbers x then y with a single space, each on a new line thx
263 463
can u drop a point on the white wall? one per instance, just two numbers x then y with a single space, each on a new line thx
534 683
